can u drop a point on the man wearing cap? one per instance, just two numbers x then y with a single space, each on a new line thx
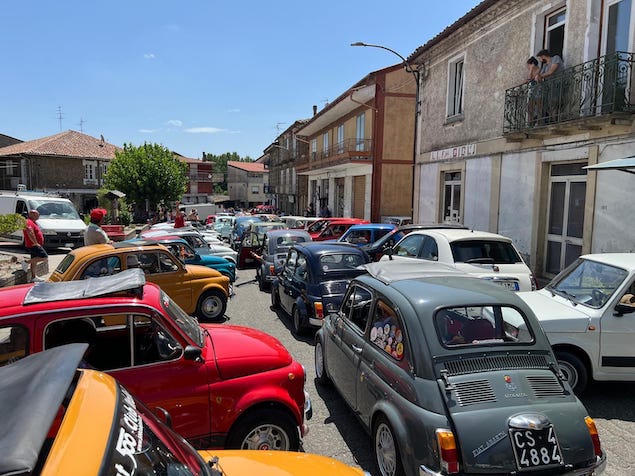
94 233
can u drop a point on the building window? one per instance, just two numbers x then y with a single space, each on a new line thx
359 131
325 144
313 149
255 189
455 87
90 172
452 197
554 32
340 138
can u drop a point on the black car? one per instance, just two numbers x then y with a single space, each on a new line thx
313 281
451 374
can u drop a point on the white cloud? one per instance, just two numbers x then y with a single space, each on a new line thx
175 123
149 56
204 130
233 110
146 131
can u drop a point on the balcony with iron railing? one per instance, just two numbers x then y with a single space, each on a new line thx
347 151
597 90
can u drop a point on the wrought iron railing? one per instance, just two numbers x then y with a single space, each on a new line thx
595 88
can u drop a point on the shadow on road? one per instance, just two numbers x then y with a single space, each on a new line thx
610 400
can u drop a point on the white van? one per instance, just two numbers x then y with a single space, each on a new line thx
59 221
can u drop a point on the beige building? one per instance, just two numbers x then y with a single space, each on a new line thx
246 183
360 149
499 154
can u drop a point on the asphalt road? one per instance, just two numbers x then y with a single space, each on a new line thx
334 430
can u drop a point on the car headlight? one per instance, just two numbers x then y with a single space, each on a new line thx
48 232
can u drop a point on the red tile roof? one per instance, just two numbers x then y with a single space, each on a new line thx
66 144
247 166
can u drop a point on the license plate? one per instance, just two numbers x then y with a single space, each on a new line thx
69 245
535 448
511 285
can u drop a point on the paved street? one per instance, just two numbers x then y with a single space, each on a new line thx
335 432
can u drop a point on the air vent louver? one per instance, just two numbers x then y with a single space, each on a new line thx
487 364
474 392
545 385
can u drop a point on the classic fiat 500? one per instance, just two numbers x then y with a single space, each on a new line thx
60 420
452 374
224 386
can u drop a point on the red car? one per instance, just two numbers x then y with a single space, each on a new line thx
222 386
332 228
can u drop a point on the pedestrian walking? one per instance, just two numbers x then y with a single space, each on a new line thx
34 243
95 234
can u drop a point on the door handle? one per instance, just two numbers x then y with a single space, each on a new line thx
356 349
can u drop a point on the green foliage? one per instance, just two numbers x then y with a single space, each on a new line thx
125 217
148 172
12 222
220 166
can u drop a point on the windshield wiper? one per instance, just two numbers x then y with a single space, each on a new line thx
568 295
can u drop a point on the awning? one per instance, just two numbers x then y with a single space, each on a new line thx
626 164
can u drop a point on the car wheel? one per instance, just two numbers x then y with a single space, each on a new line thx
211 305
267 429
298 325
574 371
275 298
320 364
386 449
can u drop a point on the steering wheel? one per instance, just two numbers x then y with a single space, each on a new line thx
166 347
598 296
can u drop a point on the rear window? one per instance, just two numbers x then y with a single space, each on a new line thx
484 251
478 325
340 261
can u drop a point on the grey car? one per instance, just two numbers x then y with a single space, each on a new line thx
275 246
451 374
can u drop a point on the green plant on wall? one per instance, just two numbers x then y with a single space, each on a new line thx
10 223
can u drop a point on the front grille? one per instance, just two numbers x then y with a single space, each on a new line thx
474 392
545 385
487 364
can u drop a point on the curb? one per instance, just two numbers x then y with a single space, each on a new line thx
21 277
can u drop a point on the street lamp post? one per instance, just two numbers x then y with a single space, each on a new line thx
417 75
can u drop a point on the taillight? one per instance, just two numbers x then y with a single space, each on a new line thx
595 437
271 270
447 451
319 310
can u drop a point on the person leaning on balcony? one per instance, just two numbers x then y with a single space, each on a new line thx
533 97
551 65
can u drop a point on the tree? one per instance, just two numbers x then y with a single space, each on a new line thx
148 172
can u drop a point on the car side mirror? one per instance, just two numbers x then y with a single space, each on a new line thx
621 309
192 352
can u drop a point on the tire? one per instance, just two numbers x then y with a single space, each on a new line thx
211 305
320 365
574 371
386 449
275 298
298 326
264 429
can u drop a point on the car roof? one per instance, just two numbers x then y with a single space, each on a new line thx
372 226
287 232
428 226
458 234
33 388
619 260
391 271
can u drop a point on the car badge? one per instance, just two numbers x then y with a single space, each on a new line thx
495 268
509 384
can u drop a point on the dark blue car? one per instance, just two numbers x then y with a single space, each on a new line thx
313 281
373 238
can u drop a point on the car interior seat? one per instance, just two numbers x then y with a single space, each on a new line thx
478 329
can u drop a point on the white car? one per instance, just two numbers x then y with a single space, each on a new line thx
478 253
588 313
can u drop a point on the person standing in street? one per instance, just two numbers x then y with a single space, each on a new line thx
95 234
179 217
33 242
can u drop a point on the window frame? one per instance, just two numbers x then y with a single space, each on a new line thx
451 104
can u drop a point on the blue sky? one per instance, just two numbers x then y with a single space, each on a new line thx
195 75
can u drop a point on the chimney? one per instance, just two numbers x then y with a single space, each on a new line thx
314 109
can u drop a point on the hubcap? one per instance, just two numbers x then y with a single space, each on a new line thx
211 307
569 372
319 360
266 437
385 450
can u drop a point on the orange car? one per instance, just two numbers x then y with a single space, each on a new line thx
197 290
58 419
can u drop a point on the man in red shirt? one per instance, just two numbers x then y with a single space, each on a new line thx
179 218
33 241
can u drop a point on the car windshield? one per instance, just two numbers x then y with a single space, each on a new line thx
317 226
54 210
185 322
588 282
340 261
141 445
484 251
481 325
